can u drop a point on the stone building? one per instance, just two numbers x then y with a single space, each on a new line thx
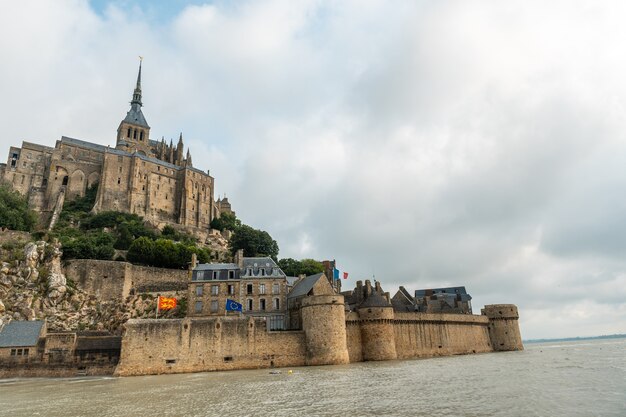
20 340
140 175
258 284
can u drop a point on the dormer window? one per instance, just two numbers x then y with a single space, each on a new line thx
141 136
128 133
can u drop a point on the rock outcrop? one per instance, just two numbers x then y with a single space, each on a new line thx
34 286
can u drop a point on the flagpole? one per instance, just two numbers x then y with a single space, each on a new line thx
157 309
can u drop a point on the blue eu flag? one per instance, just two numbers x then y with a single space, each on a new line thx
233 306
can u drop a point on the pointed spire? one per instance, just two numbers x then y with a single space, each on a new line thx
188 159
180 140
137 92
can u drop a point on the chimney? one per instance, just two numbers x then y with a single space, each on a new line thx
239 258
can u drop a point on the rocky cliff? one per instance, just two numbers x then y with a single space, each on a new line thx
34 286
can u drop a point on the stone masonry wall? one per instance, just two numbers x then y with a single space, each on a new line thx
227 343
113 280
424 335
206 344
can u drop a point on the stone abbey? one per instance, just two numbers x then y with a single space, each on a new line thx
151 178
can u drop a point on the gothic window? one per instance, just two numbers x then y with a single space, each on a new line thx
141 136
135 134
128 133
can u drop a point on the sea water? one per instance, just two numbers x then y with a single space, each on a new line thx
584 378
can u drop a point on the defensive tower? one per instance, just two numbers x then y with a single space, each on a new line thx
377 331
503 327
324 325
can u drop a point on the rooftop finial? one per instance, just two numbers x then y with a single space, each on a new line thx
137 92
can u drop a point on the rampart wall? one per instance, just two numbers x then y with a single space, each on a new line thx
113 280
206 344
419 335
225 343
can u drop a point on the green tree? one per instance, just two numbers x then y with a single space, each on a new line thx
226 221
141 251
292 267
14 211
253 242
93 245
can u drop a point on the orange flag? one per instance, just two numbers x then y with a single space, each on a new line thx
166 303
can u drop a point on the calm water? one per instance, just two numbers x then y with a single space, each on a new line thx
550 379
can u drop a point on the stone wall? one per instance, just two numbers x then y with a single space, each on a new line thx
419 335
206 344
225 343
113 280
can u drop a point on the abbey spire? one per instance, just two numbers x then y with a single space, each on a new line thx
137 93
133 133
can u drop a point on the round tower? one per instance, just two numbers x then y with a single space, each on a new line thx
377 334
503 327
324 325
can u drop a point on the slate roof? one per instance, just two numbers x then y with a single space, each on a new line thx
78 142
135 116
446 290
375 300
215 267
304 286
99 343
20 333
260 261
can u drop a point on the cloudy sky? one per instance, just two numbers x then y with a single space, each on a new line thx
426 143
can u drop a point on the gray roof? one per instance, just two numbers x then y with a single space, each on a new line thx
444 290
135 116
304 286
259 261
78 142
375 300
215 267
20 333
291 280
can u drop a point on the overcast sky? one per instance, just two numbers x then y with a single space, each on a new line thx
427 144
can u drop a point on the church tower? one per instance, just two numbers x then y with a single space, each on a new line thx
133 132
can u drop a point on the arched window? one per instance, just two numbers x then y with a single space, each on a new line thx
128 133
134 133
141 136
